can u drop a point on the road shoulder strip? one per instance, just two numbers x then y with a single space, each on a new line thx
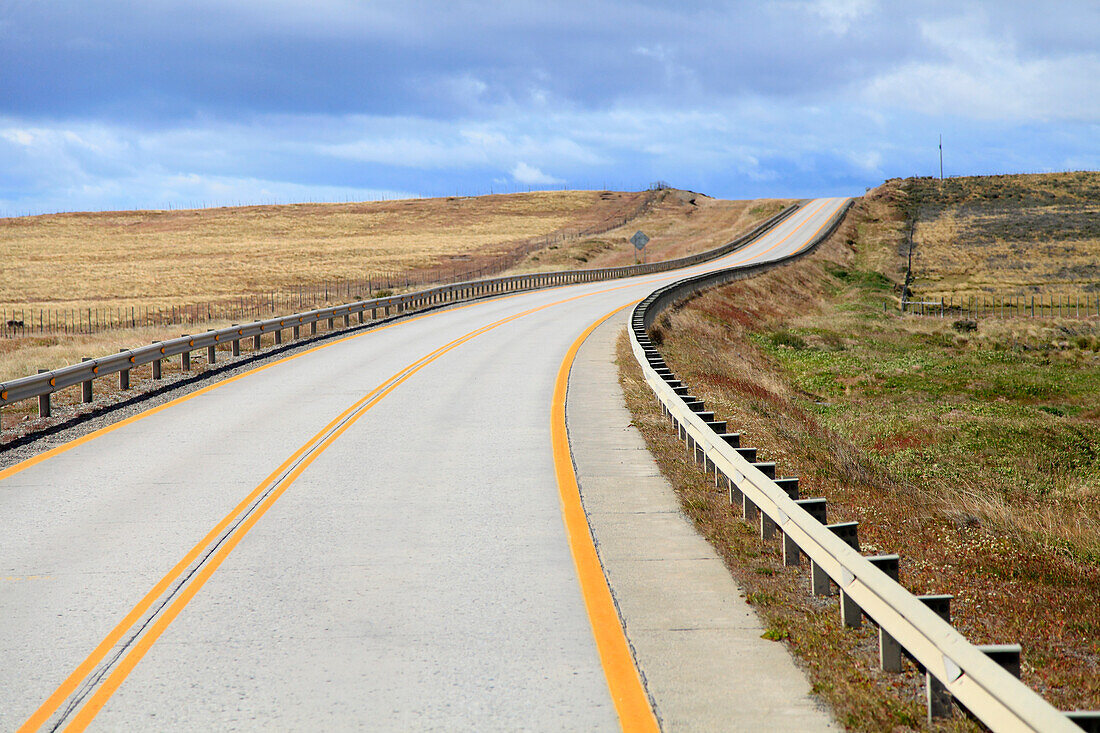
696 642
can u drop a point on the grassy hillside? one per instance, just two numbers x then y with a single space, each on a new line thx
971 454
1004 235
166 258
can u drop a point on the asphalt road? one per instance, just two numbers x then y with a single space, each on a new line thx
368 534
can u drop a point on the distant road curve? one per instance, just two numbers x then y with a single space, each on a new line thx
377 540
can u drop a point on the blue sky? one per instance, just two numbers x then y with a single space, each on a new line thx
110 104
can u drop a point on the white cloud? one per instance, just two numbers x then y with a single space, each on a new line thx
531 176
839 15
985 77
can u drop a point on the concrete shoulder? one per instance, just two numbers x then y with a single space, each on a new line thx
695 639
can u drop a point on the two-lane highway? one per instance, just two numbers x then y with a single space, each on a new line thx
368 533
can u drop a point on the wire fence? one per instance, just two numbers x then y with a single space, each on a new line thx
18 322
1078 305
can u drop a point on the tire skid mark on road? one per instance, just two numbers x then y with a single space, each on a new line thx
99 675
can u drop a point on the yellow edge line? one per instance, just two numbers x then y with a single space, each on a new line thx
623 680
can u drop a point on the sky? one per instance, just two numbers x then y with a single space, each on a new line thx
120 104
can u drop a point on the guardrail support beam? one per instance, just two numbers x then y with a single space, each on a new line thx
43 400
1006 655
819 580
123 376
211 354
851 615
1086 720
278 336
86 387
937 698
313 328
256 344
767 527
749 510
791 554
297 332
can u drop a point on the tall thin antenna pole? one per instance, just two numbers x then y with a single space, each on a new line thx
941 157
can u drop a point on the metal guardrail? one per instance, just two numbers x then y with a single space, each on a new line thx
974 676
46 383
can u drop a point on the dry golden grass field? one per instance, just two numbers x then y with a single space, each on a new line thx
171 258
1019 235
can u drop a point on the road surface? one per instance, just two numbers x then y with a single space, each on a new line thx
366 534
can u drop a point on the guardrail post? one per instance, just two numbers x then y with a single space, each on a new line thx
889 650
749 512
1086 720
211 353
819 580
123 376
256 342
1006 655
156 367
790 551
278 336
360 315
43 400
313 328
347 320
767 526
331 323
937 698
297 332
850 613
185 359
86 387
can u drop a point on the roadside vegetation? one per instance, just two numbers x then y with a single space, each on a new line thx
970 449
